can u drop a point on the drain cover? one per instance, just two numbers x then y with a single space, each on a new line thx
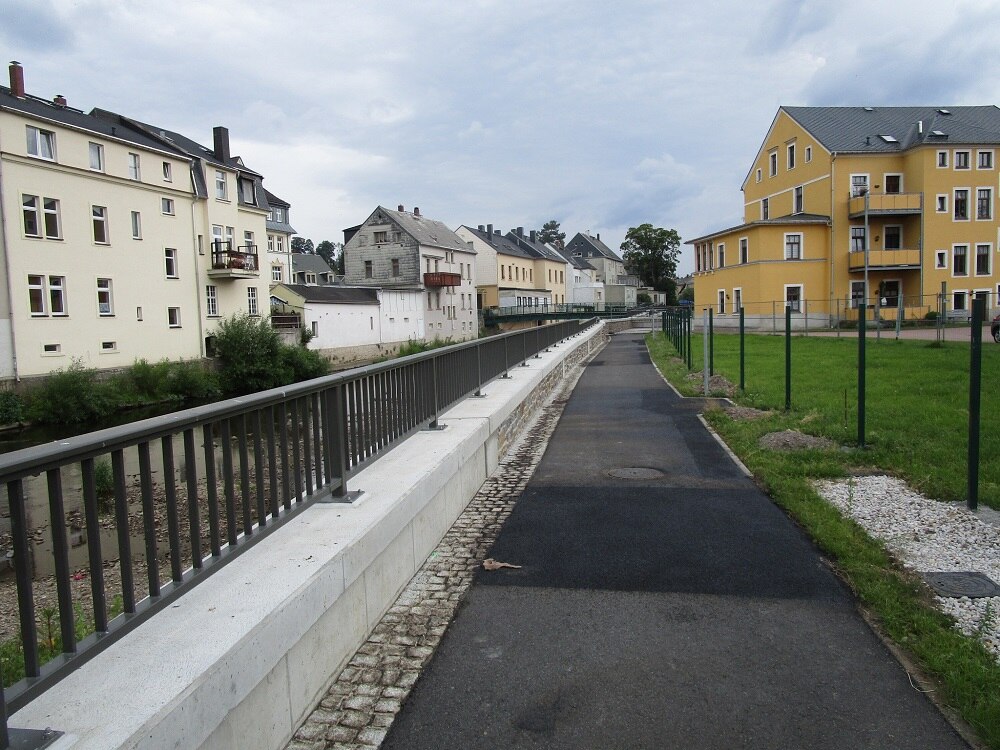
635 472
956 585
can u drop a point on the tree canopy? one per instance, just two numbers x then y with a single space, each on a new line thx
651 253
551 235
302 245
329 251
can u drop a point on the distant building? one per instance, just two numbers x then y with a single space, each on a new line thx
402 249
279 239
311 270
620 288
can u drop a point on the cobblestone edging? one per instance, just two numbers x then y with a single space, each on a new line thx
365 697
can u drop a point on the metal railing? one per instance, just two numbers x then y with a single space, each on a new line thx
125 520
243 258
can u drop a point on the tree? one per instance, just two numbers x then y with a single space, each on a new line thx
328 251
651 253
302 245
550 234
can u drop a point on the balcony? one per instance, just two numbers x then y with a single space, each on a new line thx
902 259
228 263
442 279
886 204
286 321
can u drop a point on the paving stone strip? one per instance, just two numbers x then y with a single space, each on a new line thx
365 697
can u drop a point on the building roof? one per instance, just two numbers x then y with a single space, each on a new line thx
591 247
309 262
427 231
790 220
538 248
894 129
502 244
339 295
275 202
577 261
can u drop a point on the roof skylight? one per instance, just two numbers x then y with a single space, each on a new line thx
888 139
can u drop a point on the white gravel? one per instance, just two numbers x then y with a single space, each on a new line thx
928 536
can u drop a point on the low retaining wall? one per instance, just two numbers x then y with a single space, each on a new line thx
243 657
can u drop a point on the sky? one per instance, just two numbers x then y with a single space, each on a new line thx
599 115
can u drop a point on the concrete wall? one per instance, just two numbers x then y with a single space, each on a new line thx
242 658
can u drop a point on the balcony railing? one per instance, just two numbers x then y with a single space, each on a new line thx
437 279
886 204
900 259
240 263
145 511
285 321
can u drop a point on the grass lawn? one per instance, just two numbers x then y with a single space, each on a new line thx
917 428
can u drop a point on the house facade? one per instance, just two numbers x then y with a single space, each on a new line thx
403 249
279 240
119 240
889 205
620 288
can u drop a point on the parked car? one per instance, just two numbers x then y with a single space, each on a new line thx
995 329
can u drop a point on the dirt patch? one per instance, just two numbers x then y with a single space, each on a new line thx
793 440
716 383
745 413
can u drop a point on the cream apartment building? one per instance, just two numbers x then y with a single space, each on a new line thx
119 240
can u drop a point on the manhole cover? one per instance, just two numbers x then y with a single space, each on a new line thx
635 472
955 585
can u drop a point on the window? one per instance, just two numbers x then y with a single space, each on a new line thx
857 239
984 203
100 219
503 274
737 300
959 263
170 262
961 204
167 172
314 327
722 255
381 237
793 298
270 243
857 293
252 301
722 302
942 159
772 164
109 346
133 166
57 295
96 157
138 314
368 270
51 348
47 224
961 160
958 300
809 154
790 150
893 238
248 239
941 259
983 253
985 160
759 175
764 209
279 214
36 295
41 143
221 191
247 191
281 244
859 185
105 303
136 226
744 250
276 274
211 301
942 204
797 200
395 267
793 246
47 295
893 184
167 206
174 317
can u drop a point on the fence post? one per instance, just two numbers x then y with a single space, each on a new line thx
862 324
788 358
774 319
704 346
900 301
805 311
878 318
942 310
975 374
711 344
742 350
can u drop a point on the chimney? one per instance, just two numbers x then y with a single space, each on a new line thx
489 229
533 235
59 100
401 208
520 231
416 211
497 233
482 228
221 139
16 79
598 236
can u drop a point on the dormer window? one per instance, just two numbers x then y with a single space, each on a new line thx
247 192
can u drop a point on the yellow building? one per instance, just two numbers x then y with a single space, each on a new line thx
901 196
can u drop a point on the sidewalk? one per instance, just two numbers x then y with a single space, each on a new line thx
684 611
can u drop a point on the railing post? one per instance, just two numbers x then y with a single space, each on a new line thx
862 325
742 350
975 374
788 358
704 347
711 344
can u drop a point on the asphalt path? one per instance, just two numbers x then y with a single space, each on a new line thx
683 611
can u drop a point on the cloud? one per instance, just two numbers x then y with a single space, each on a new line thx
34 25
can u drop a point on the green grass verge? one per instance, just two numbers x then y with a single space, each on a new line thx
915 429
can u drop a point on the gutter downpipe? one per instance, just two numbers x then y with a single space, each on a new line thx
6 267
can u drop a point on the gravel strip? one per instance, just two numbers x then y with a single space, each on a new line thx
365 697
928 536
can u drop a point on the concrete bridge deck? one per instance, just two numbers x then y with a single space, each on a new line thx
683 610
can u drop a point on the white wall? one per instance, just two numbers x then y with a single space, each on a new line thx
401 314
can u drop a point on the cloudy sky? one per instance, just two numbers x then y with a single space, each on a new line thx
512 112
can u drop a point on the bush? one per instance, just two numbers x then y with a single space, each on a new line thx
11 408
304 364
191 380
149 380
70 395
931 315
643 299
250 354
